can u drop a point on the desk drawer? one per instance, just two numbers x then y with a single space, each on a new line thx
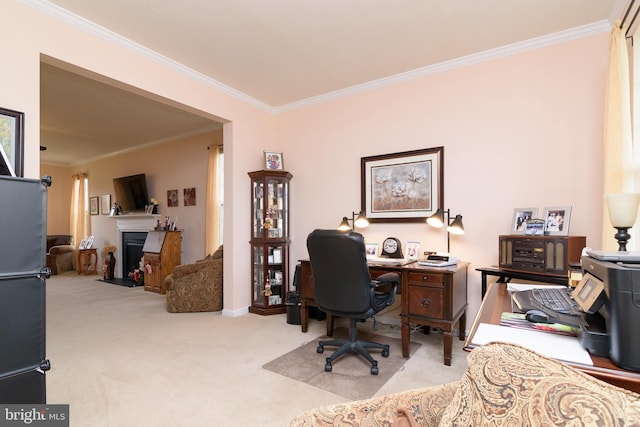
426 301
424 278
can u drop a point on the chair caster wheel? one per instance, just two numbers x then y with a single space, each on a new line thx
328 367
385 351
374 370
320 348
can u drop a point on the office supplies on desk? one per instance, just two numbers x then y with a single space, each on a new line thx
438 260
388 261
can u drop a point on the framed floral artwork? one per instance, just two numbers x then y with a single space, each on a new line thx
402 187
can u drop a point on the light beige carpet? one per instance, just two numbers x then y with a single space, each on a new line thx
351 374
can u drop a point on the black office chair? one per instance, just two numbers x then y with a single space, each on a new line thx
343 287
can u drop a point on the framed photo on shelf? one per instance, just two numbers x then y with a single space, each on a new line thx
521 216
83 245
557 220
93 205
534 227
413 250
105 204
402 187
273 160
371 249
11 142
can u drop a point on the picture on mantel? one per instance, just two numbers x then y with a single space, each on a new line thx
172 198
190 196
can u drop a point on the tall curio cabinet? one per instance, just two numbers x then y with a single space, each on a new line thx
269 241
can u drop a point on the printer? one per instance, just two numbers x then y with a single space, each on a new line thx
621 310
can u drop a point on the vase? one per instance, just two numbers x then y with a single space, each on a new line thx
111 263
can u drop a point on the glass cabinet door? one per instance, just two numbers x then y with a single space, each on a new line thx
269 273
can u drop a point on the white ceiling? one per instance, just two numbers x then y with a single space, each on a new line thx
280 54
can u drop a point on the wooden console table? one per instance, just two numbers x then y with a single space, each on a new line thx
498 300
85 263
432 297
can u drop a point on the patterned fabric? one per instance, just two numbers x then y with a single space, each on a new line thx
425 404
504 385
196 287
508 385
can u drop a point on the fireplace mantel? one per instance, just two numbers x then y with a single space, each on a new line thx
131 222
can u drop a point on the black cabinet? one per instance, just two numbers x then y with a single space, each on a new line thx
22 290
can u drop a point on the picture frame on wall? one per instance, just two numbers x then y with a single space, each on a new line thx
402 187
93 205
273 160
557 219
521 216
12 142
105 204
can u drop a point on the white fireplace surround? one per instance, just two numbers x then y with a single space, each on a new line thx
131 223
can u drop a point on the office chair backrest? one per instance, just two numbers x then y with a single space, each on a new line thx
341 280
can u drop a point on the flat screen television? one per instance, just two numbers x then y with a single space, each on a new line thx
131 192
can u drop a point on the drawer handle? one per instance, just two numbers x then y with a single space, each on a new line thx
425 278
425 302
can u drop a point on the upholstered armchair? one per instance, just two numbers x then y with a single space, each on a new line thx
196 287
60 253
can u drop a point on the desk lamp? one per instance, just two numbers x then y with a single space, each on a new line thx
454 226
361 222
623 210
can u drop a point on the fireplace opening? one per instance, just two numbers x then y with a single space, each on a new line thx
132 243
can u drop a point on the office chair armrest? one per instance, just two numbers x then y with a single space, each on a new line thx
385 279
392 279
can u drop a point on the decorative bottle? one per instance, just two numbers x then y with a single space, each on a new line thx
111 263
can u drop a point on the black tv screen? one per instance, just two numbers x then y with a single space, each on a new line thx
131 192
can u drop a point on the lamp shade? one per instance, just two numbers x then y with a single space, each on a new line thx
456 226
437 219
344 225
623 208
361 221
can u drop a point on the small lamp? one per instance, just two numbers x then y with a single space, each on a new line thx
454 226
360 221
623 210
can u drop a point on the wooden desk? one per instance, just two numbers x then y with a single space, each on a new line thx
432 297
504 276
498 300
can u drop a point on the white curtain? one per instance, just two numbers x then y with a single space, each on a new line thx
80 220
619 174
212 215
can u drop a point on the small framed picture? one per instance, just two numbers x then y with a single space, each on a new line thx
273 160
83 245
93 205
413 250
557 220
371 249
534 227
521 216
105 204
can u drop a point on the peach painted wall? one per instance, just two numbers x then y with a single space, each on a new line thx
520 131
247 132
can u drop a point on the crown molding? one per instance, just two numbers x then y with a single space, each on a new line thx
465 61
105 34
